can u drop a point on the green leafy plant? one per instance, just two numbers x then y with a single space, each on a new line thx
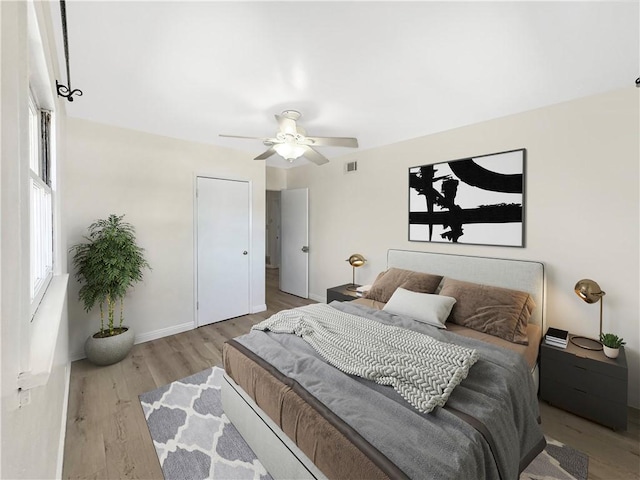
107 265
612 341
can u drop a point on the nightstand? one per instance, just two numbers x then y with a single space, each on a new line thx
585 382
341 293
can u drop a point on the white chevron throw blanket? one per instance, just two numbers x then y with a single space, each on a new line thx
420 368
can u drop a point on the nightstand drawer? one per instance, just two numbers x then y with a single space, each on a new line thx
585 382
579 360
606 412
590 382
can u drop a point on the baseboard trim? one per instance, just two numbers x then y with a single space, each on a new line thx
148 336
259 308
318 298
63 421
78 355
164 332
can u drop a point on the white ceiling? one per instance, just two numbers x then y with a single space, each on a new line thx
380 71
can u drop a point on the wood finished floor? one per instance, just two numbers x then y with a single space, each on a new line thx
107 436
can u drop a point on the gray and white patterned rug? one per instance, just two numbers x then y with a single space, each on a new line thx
193 437
195 440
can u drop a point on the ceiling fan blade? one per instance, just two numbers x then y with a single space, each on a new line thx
333 141
266 154
265 140
242 136
286 125
315 157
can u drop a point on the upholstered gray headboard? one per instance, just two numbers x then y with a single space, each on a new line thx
521 275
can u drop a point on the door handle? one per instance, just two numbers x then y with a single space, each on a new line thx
245 252
305 249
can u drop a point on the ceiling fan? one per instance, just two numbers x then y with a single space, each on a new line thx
291 141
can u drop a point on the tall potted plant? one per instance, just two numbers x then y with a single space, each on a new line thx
107 264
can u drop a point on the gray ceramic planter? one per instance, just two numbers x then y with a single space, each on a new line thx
109 350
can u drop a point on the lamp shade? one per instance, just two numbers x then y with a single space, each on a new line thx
589 290
289 151
356 260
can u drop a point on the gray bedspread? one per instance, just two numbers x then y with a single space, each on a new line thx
421 369
445 444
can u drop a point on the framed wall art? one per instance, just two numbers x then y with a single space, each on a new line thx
477 200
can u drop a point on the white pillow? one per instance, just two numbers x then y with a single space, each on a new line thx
423 307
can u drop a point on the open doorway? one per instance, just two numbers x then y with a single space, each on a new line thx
273 229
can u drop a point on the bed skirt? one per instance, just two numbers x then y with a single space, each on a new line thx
335 448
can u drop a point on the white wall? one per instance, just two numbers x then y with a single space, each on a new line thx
276 178
31 437
582 207
151 179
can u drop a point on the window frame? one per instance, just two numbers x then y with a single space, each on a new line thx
41 225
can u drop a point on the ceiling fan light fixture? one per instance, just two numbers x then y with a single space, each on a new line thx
289 151
291 141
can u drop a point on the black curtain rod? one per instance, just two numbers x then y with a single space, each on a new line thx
67 92
63 90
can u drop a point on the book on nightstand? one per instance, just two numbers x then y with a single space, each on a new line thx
362 290
556 337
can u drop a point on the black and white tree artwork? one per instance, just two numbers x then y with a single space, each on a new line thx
478 200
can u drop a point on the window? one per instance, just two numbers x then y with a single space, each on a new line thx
41 212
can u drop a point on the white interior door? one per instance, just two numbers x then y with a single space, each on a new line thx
223 219
294 241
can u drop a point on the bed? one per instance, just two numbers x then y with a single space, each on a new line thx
304 418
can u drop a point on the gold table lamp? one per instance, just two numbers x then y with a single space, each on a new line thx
355 260
590 292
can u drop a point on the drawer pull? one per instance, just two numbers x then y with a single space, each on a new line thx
579 367
578 390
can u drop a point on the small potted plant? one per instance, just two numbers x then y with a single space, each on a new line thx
611 344
107 264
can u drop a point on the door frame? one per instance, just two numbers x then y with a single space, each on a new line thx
195 236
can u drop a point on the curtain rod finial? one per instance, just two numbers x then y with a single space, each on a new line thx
63 91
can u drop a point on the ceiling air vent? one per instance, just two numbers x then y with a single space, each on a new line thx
351 167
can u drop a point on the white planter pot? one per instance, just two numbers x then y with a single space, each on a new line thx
109 350
611 352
